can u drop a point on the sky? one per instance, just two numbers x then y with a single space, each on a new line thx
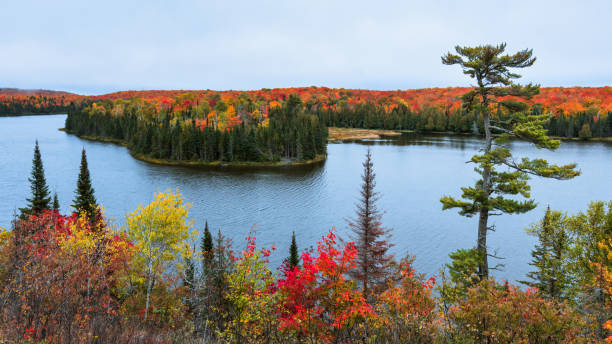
95 47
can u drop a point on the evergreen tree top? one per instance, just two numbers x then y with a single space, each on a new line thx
207 249
206 244
56 205
40 199
294 259
84 193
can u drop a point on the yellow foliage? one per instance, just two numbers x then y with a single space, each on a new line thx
81 239
605 271
160 231
87 240
4 236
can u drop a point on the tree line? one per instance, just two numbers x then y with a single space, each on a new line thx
36 104
302 137
585 124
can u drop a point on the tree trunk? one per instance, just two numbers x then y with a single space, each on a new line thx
149 281
483 269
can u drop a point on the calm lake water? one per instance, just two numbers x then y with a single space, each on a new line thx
412 174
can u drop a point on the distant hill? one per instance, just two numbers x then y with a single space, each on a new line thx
21 92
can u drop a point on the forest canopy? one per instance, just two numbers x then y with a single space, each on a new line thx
575 112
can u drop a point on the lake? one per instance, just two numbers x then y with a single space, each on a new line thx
413 172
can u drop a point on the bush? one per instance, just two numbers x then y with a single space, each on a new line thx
503 313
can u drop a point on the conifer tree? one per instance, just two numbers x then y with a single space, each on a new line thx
494 79
40 191
550 255
294 259
206 246
85 199
217 284
370 237
56 205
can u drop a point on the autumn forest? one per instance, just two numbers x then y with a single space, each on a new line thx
155 277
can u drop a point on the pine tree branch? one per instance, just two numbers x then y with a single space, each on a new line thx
541 168
510 132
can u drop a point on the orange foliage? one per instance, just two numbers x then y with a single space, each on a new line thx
569 100
553 99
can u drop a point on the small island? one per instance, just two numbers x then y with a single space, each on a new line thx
205 132
286 162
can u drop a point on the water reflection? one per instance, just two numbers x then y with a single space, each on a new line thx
415 139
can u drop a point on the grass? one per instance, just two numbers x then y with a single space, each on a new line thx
350 134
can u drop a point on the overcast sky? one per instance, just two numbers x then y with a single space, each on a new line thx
93 47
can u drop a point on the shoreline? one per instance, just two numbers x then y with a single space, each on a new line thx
283 163
31 114
336 134
354 134
228 164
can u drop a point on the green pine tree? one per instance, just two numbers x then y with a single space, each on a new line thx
56 204
501 173
463 273
206 246
294 259
85 201
40 191
551 276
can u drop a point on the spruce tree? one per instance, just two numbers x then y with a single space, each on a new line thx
40 191
551 276
56 205
206 246
294 259
370 237
501 174
85 201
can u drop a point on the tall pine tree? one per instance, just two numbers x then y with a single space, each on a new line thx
85 201
41 199
501 174
370 237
